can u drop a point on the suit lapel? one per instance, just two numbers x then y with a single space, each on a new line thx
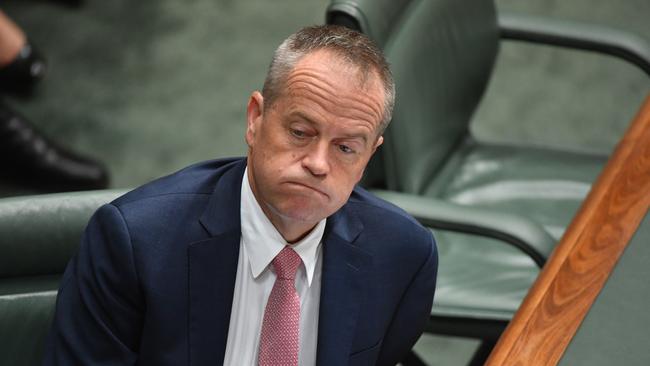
342 288
213 271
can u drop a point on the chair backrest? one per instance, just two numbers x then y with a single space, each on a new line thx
375 18
442 53
38 236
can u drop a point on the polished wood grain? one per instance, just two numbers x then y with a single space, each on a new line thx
581 263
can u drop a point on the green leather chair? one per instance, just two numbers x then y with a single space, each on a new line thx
38 235
497 210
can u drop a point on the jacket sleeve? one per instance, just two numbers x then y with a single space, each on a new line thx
99 308
413 312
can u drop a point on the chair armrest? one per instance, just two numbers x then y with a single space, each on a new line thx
524 234
590 37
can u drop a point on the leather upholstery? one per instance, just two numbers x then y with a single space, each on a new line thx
26 310
45 230
375 18
628 46
522 233
441 54
545 186
480 278
38 235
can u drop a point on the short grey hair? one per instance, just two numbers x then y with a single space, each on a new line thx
354 47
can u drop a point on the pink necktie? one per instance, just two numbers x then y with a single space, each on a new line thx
280 340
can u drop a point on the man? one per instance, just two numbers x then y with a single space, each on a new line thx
273 260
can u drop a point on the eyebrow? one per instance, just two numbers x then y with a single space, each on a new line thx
304 116
312 122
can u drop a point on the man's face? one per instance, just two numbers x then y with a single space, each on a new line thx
309 149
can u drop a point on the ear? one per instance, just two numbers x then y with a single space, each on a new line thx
380 141
254 116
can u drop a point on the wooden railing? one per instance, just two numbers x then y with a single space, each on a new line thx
581 263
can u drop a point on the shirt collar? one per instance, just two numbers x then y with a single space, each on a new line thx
263 242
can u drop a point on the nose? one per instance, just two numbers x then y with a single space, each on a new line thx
316 161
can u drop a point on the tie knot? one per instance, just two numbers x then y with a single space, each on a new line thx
286 263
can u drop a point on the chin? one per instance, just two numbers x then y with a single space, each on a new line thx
301 212
302 215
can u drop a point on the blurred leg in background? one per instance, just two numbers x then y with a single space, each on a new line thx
21 66
26 156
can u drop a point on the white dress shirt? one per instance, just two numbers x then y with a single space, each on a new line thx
260 243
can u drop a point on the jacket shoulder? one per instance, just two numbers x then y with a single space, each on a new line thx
196 179
381 216
367 204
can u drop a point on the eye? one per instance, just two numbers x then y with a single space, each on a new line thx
297 133
346 149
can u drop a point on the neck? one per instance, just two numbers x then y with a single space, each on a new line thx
291 231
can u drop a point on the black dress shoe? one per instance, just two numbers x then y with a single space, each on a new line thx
25 71
30 159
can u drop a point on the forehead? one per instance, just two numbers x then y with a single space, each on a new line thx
328 85
339 70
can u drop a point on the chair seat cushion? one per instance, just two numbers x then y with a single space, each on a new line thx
480 278
547 186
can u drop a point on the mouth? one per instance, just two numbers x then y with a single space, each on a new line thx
306 186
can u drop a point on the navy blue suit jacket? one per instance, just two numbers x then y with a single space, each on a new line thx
153 281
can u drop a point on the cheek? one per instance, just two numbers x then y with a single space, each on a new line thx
277 150
343 185
348 174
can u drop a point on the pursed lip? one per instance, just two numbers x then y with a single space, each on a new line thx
308 186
